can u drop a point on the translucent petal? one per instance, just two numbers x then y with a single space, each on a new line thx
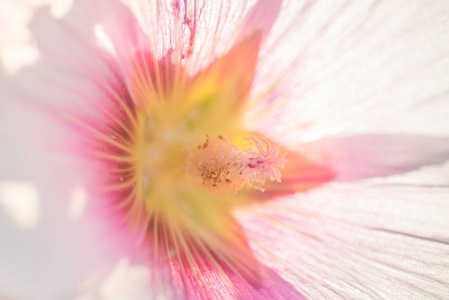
51 246
365 156
348 68
365 241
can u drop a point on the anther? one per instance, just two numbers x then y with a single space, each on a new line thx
222 166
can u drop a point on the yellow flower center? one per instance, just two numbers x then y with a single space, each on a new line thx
187 154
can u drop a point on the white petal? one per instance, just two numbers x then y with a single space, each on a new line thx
21 203
349 67
365 241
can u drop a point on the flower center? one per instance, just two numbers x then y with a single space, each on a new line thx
175 171
173 158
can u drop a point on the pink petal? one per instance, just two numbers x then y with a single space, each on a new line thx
132 47
365 156
43 148
205 30
148 70
261 17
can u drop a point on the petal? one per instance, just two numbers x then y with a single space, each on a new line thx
364 156
357 157
354 68
205 30
365 241
261 17
157 60
43 152
130 281
131 45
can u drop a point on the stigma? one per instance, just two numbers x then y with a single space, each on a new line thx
220 165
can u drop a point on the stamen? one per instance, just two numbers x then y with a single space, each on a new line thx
222 166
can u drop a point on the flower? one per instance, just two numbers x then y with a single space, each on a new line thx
133 133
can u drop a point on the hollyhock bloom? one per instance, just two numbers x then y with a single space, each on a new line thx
260 149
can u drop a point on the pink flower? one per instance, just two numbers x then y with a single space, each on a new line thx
225 150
